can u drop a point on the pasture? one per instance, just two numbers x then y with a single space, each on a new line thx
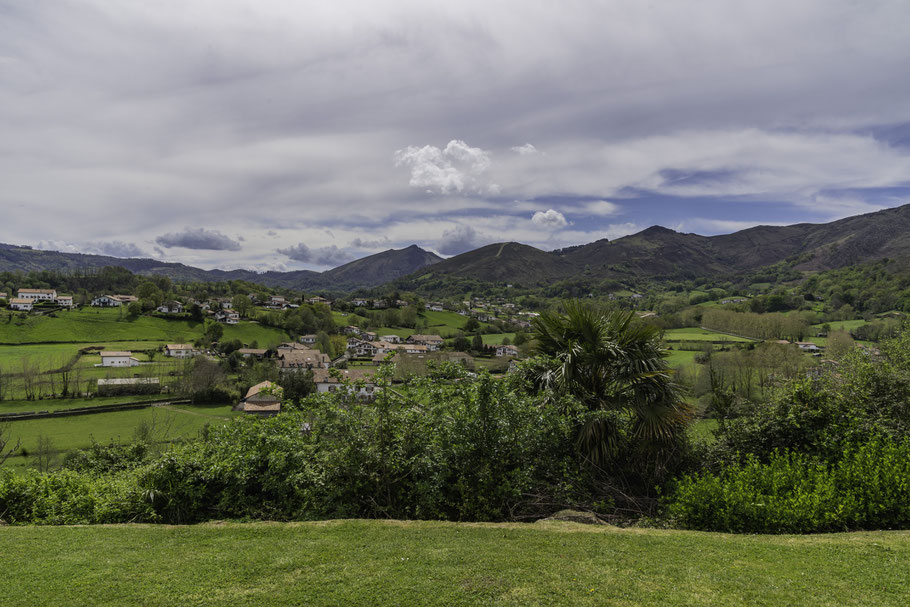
358 562
164 424
698 334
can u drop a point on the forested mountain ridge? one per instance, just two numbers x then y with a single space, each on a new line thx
659 253
363 273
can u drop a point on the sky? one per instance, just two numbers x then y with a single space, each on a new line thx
283 135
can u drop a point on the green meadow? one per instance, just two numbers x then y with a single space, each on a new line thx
77 432
89 325
698 334
356 562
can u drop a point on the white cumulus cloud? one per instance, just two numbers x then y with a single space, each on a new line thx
550 219
455 168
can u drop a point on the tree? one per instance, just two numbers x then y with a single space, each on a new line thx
477 343
472 325
616 367
213 330
134 309
242 304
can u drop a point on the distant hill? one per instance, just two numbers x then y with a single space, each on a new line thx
660 253
655 254
363 273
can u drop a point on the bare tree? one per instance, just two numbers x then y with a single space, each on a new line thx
29 378
5 450
44 457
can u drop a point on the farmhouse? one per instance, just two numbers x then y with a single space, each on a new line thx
506 351
359 302
361 348
65 301
807 346
171 307
434 306
4 295
21 304
118 359
432 342
296 360
112 301
263 399
308 339
254 352
326 382
318 300
38 294
180 351
392 339
227 316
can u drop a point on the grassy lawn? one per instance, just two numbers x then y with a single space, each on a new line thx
495 339
697 334
67 433
59 404
679 358
96 325
842 325
432 563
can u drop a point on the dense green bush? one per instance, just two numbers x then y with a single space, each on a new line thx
867 487
448 446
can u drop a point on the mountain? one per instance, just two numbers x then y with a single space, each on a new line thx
660 253
377 269
503 262
367 272
657 253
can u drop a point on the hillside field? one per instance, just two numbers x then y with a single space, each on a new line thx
87 325
77 432
356 562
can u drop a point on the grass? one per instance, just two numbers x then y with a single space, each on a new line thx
703 430
59 404
698 334
495 339
678 358
68 433
105 325
358 562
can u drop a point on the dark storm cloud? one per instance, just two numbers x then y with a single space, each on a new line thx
200 238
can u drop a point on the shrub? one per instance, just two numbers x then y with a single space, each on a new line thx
868 487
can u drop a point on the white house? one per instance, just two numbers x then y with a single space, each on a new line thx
38 294
112 301
118 359
392 339
180 351
65 301
308 339
325 382
807 346
434 307
432 342
228 316
359 347
359 302
171 307
507 351
318 300
21 304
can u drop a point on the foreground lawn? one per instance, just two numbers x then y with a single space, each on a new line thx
425 563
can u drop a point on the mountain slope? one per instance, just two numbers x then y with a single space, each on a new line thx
509 262
363 273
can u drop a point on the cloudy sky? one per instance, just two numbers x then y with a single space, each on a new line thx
271 134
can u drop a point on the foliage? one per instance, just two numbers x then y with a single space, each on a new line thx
616 367
866 487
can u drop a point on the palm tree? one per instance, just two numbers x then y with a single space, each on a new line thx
616 367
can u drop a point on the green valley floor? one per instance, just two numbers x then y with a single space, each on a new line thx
425 563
